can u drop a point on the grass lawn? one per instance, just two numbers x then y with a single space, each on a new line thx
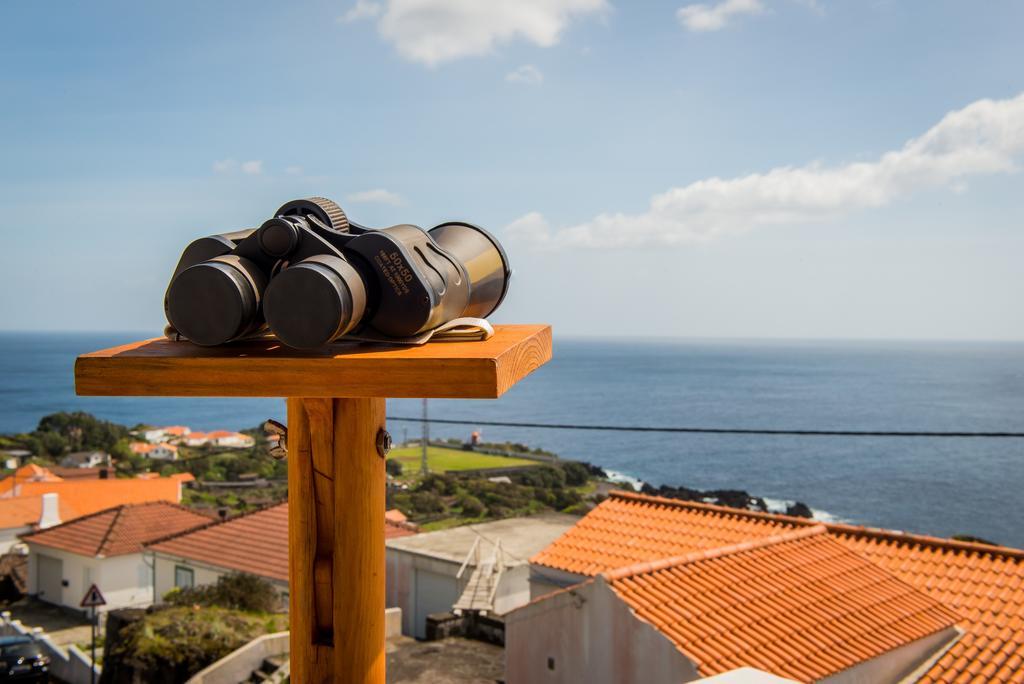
440 460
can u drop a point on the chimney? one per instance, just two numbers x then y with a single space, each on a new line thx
50 515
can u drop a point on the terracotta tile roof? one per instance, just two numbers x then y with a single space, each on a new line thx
29 472
73 473
256 542
90 496
799 605
629 528
176 430
984 584
24 511
119 530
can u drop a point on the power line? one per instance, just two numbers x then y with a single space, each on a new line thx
719 431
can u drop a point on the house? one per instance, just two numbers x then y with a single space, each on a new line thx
12 458
225 439
89 496
432 572
697 589
106 549
23 514
195 439
26 473
220 438
254 543
164 434
160 452
85 459
173 432
100 473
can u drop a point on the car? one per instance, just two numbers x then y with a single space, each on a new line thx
22 660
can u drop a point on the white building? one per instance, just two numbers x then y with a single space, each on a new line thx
86 459
423 571
160 452
254 543
165 434
106 549
22 514
799 604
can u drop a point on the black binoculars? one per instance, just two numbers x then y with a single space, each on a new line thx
311 276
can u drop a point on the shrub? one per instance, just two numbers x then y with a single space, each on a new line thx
394 467
576 474
471 506
425 503
238 591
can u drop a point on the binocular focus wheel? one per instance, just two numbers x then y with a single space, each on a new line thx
327 211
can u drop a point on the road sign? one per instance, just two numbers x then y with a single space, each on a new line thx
93 598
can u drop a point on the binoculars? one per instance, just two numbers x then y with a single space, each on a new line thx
310 276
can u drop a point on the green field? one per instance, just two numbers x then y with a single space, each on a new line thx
440 460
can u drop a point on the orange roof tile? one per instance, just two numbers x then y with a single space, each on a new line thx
820 608
119 530
90 496
175 430
255 542
30 472
982 583
24 511
628 528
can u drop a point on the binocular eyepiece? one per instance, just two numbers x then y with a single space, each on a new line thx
310 276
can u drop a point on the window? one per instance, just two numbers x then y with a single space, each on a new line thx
184 578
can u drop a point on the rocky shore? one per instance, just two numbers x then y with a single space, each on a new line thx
733 498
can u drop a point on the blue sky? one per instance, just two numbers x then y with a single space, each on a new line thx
737 168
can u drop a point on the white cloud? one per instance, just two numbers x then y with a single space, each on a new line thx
293 170
363 9
436 31
526 74
984 137
252 168
225 165
376 196
714 17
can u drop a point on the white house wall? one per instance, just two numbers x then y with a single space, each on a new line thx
588 635
202 573
125 581
9 537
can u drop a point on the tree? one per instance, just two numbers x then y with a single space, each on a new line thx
81 430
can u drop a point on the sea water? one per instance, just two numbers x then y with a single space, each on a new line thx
937 486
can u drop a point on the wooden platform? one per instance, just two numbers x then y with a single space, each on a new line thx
471 370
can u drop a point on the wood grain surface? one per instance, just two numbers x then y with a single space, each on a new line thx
160 367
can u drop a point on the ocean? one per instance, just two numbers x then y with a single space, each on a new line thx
925 485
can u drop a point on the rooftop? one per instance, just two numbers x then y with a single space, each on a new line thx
626 529
25 511
255 542
822 608
89 496
520 538
119 530
983 584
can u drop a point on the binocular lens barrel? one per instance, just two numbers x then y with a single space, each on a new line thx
229 289
485 261
315 301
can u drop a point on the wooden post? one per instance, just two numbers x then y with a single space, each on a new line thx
336 478
336 486
359 482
